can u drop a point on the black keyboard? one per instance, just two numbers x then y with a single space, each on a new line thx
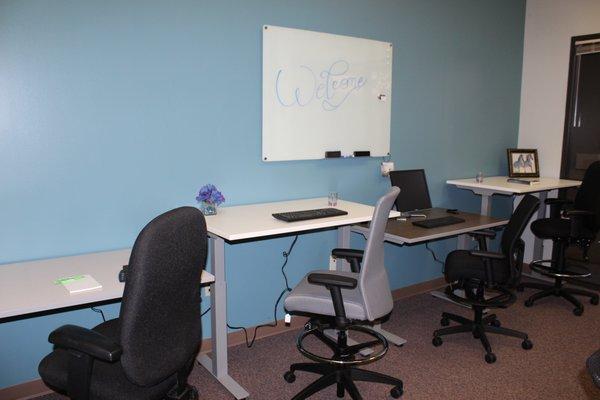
293 216
437 222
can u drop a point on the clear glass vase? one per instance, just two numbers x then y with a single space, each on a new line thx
208 208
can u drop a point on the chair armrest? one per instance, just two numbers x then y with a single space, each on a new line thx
335 283
332 280
488 233
560 202
86 341
488 254
580 213
354 257
348 253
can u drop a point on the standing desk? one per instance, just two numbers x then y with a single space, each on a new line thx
28 287
499 185
404 232
247 222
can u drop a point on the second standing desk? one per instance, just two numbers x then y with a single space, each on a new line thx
405 233
500 185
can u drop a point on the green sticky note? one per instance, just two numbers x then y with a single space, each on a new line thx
68 279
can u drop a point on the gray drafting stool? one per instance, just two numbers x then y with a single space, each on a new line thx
346 301
148 352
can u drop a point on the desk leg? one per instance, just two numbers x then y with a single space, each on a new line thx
486 204
217 362
462 242
538 244
344 243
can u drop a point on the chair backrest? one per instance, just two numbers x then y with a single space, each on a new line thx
511 245
373 282
588 195
160 311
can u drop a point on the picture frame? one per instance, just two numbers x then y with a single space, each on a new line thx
523 163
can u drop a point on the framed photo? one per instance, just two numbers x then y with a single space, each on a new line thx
523 163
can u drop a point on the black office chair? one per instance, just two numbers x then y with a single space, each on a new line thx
346 301
146 353
476 273
593 367
570 223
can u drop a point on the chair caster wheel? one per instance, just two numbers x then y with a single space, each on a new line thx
445 322
528 303
595 300
527 344
490 358
476 335
396 392
289 377
496 323
578 311
437 341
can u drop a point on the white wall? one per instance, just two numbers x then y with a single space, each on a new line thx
549 26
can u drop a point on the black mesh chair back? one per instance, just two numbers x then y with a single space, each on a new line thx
588 196
512 246
160 308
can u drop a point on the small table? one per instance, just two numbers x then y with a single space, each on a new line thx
500 185
28 287
248 222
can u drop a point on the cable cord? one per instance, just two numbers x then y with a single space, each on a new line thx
286 255
433 254
99 311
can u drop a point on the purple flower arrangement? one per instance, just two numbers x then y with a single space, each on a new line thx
210 194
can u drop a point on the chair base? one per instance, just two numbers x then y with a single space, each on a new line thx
478 327
186 393
557 289
342 376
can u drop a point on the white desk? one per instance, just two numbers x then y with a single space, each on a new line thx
28 287
255 221
499 185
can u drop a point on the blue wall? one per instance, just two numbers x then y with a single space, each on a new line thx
112 112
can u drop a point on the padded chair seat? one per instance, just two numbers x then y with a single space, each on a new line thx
552 228
460 264
108 379
316 299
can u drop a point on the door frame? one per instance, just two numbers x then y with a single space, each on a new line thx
568 112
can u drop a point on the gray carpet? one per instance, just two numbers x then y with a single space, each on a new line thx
553 369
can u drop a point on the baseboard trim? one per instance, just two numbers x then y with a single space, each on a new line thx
418 288
25 391
35 388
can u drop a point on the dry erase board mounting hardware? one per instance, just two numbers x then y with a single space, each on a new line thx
323 91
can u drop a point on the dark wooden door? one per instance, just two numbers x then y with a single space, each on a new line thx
581 144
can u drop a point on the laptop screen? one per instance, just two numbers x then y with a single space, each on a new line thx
414 193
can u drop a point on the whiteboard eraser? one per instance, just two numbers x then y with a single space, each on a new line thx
333 154
362 154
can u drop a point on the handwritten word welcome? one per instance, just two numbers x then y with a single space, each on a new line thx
331 88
